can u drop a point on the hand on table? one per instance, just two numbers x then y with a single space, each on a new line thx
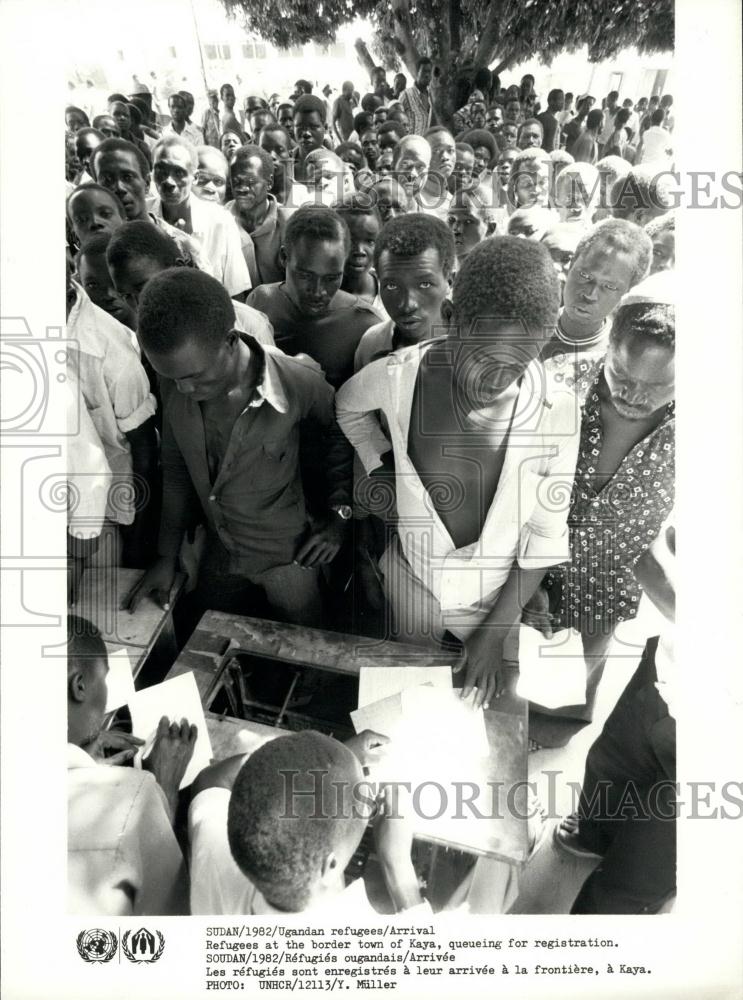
158 581
484 670
170 755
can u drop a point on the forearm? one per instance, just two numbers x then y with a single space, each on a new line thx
402 885
515 593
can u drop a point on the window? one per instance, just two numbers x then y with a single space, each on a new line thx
171 50
260 50
249 51
121 55
297 51
210 51
225 52
615 82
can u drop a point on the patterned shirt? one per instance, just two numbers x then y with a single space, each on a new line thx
611 529
417 106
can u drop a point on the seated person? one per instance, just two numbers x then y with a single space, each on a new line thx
414 258
106 365
577 191
450 406
249 857
92 209
364 223
469 221
122 856
174 169
121 168
139 251
230 455
259 217
662 232
610 259
390 198
308 311
210 182
531 223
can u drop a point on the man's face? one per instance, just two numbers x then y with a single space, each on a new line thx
314 272
259 119
572 200
93 212
353 158
512 111
403 121
509 134
389 139
347 90
364 232
380 116
467 228
561 245
286 118
177 109
412 290
384 163
130 277
391 199
482 160
173 173
531 184
107 125
121 115
412 170
527 223
489 359
478 114
558 101
276 145
74 121
97 282
200 371
463 169
530 136
424 75
120 172
493 118
249 185
96 696
505 163
309 130
370 146
640 376
214 101
228 98
210 182
443 154
595 283
230 144
664 252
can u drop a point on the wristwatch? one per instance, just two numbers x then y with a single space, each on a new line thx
343 511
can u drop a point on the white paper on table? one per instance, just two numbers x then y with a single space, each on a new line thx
383 716
441 724
179 699
552 672
377 683
119 680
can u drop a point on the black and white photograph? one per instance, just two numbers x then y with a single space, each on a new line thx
341 497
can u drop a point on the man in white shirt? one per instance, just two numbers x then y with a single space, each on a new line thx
656 145
477 435
179 125
274 834
122 856
174 168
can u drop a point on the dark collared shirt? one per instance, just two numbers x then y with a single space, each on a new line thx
253 497
330 339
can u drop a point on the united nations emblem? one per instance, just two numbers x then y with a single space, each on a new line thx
96 945
141 945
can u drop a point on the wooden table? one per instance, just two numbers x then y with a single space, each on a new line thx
145 634
501 834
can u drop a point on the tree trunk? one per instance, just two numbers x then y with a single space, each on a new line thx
364 57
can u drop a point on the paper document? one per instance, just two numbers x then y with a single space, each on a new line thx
179 699
376 683
552 672
119 680
443 725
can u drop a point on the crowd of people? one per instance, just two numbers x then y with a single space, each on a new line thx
343 362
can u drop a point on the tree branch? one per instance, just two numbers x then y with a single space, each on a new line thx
490 36
404 33
364 57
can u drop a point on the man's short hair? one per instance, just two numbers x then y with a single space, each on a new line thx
594 118
371 102
275 127
614 167
422 60
357 203
183 304
389 126
510 278
292 804
116 99
95 246
347 147
410 235
654 320
316 222
92 186
81 134
177 142
85 645
663 224
244 153
141 239
226 86
481 137
116 145
554 93
435 130
308 103
658 117
362 120
529 122
640 188
623 236
464 147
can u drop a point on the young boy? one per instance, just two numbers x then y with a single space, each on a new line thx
308 311
210 182
275 833
94 277
93 209
662 231
470 223
363 221
414 258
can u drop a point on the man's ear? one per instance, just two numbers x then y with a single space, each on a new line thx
76 690
283 256
491 227
447 310
147 180
329 867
